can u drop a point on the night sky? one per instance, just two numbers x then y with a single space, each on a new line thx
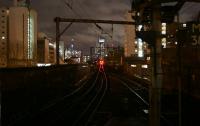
86 35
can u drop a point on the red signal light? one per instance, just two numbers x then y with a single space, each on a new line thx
101 65
101 62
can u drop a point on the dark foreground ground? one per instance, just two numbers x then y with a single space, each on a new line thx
120 107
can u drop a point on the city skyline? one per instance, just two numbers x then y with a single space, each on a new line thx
86 35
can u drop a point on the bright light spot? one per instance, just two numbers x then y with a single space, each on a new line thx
3 37
133 65
138 13
145 66
140 53
139 40
163 28
140 43
101 65
52 45
136 50
101 40
146 111
48 64
43 64
176 43
164 42
135 42
184 25
101 62
148 58
140 27
163 32
84 66
164 24
140 48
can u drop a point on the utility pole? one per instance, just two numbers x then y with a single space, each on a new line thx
179 80
155 90
57 20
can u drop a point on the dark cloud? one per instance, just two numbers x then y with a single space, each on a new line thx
85 34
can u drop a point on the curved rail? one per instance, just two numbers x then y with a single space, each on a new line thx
57 103
94 103
134 88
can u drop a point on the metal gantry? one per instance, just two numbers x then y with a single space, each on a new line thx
58 20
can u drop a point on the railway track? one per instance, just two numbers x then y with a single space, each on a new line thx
76 108
81 107
141 91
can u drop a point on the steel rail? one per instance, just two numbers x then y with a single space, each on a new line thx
98 97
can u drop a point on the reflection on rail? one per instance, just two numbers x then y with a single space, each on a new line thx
75 108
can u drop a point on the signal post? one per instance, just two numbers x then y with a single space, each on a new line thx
155 89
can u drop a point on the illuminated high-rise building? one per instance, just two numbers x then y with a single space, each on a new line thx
129 45
18 36
46 49
100 47
52 52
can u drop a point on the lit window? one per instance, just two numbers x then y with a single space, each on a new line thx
3 37
144 66
148 58
163 32
139 27
136 50
163 24
135 42
138 13
140 53
43 64
163 29
140 48
164 42
184 25
133 65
